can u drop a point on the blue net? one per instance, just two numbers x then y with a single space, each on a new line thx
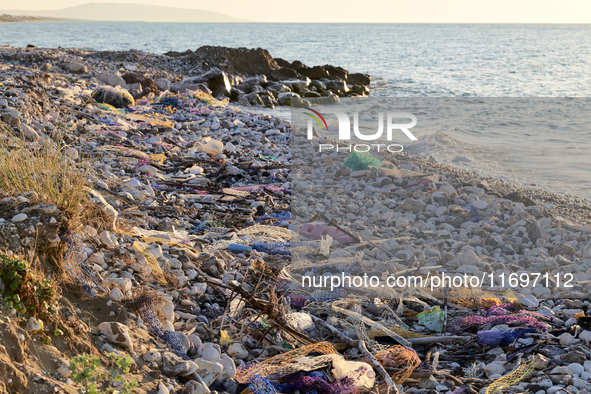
260 385
209 225
281 247
212 312
142 305
75 263
281 216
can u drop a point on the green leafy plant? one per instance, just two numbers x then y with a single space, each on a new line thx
123 363
85 371
23 290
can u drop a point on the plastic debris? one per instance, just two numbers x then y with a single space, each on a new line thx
432 319
357 161
521 372
500 338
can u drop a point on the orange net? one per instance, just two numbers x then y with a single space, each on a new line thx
267 367
399 357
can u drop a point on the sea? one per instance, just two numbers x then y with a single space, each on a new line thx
453 61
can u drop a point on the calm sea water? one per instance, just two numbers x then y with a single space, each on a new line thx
405 60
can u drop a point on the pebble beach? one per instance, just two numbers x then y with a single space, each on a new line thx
185 244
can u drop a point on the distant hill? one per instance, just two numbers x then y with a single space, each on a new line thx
115 12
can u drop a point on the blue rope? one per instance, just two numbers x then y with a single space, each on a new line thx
285 215
279 247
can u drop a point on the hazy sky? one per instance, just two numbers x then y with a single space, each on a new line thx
395 11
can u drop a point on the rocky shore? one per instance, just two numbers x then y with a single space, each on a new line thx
245 76
179 247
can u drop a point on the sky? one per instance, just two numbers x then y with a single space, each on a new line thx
366 11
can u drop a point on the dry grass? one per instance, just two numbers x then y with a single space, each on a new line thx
45 170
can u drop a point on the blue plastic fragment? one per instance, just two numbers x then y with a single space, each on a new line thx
239 248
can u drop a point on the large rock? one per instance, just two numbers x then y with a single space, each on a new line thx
116 333
195 387
111 79
296 85
413 205
115 96
10 119
208 371
173 365
278 87
229 367
163 84
235 60
284 73
337 85
331 99
316 72
287 97
359 79
335 72
252 84
536 231
76 68
215 79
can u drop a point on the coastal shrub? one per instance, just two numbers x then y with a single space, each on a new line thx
45 168
24 290
85 370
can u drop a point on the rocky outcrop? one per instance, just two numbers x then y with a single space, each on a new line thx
234 60
254 77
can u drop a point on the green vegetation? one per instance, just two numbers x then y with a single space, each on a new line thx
23 290
85 370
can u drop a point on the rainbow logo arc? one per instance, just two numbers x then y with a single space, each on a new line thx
317 117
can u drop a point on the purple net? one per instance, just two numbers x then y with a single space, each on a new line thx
506 319
498 310
318 384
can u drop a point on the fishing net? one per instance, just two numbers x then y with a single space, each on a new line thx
75 263
280 216
212 312
267 367
520 373
210 225
498 310
297 301
460 390
282 248
143 306
151 262
505 319
374 325
319 385
272 231
259 385
399 357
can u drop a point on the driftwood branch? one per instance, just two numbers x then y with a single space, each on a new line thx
363 349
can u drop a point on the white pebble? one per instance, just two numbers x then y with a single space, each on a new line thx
19 218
